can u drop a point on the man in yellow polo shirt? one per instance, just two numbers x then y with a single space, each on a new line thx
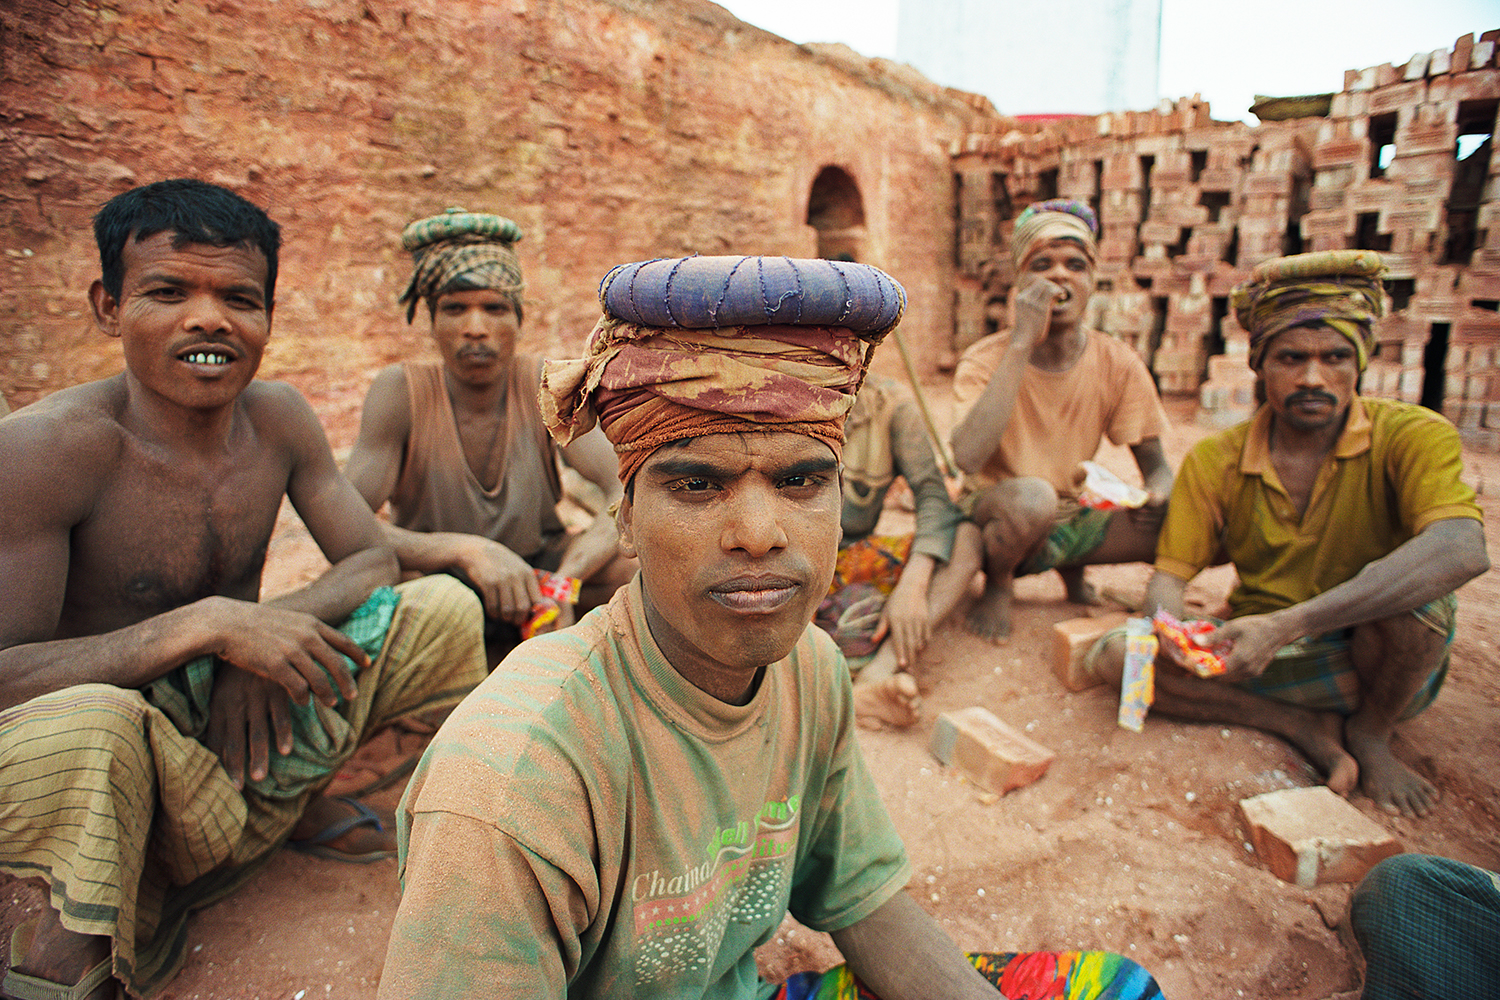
1348 524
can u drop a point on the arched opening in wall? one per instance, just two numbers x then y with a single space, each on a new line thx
1434 367
836 210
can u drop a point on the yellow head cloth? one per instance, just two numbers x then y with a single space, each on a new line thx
1058 219
1340 289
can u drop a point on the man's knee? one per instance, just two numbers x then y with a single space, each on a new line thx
1017 507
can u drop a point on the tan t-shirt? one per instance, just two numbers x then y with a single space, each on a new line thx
1061 417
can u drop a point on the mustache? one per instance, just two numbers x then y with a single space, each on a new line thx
1312 396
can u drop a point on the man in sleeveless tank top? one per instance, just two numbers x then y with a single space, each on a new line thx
459 451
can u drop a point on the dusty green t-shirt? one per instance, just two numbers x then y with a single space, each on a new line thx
587 823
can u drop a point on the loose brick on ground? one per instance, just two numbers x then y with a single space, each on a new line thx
1309 836
985 750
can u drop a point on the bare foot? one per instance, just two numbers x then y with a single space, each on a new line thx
61 956
1080 591
893 701
1323 743
989 618
1390 784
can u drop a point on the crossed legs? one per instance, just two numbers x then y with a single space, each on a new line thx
1393 657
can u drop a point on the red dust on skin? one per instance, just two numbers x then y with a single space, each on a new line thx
193 319
476 332
736 536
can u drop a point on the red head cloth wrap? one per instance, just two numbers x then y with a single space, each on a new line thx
722 345
1058 219
1339 289
461 250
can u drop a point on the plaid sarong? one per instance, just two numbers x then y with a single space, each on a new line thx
1316 672
133 824
1428 927
1027 975
1069 542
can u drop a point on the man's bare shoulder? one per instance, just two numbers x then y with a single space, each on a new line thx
79 424
279 410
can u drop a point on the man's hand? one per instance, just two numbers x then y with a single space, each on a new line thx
289 648
907 620
1246 645
1031 309
244 714
505 582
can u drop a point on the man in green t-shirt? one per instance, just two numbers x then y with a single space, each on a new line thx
630 806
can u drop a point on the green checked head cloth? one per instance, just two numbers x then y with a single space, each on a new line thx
459 251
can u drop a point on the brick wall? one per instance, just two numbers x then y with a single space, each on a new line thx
611 130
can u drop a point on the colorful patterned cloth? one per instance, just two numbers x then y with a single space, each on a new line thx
863 577
1428 927
1027 975
1058 219
462 250
1068 542
1339 289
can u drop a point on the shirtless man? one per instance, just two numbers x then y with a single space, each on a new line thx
459 449
161 731
1348 525
1037 400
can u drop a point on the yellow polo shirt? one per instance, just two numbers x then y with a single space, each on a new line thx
1393 471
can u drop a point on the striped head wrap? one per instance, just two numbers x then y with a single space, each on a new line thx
460 250
1058 219
775 345
1339 289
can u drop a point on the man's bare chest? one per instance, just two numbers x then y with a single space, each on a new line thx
165 532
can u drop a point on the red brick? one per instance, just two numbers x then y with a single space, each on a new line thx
1393 98
985 750
1311 836
1072 639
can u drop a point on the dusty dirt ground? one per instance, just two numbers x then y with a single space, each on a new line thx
1131 843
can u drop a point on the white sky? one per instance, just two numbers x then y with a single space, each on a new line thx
1226 50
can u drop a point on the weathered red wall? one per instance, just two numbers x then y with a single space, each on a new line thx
611 130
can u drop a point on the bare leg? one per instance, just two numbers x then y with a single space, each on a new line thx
1317 734
883 693
1394 657
61 956
1080 591
1014 516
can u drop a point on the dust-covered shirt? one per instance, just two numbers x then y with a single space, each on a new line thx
588 823
1060 418
1394 470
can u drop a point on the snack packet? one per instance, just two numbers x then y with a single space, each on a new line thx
1103 490
1185 635
1138 684
556 591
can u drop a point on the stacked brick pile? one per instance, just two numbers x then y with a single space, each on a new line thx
1188 205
